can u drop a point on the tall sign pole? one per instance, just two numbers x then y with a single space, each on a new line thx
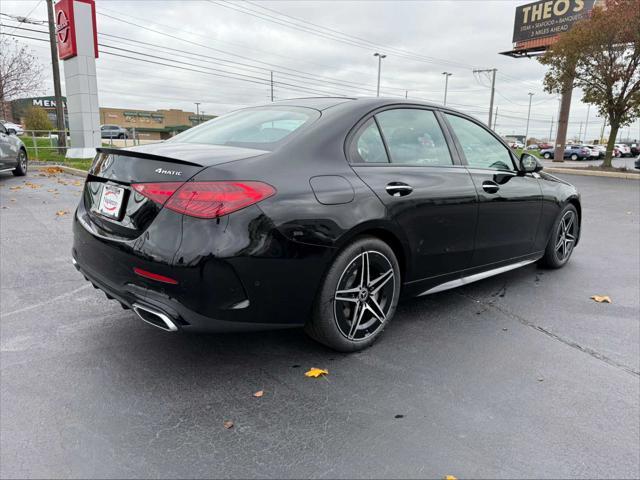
536 28
77 38
57 91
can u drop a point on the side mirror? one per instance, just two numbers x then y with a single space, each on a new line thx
529 163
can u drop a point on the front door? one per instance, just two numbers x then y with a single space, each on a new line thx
403 156
509 202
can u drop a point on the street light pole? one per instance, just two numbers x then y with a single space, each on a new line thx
198 111
446 85
526 133
586 125
380 57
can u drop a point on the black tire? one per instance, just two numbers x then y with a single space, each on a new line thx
121 136
333 321
547 156
21 168
555 256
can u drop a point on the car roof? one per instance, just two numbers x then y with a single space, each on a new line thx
323 103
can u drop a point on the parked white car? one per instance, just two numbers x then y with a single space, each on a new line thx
624 150
12 127
595 151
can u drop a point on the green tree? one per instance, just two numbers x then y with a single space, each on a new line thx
36 119
601 56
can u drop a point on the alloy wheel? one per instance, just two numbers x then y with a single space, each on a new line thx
364 295
566 236
22 161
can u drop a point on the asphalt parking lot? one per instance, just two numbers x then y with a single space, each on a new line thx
521 375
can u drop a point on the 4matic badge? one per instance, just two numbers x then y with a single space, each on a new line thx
162 171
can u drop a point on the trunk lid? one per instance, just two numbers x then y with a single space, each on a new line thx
115 209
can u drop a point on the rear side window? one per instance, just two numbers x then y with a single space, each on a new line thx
367 146
480 147
262 128
414 137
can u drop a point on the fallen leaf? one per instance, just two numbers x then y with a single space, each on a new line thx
601 298
48 171
399 416
60 213
52 190
316 372
227 424
17 187
13 199
32 185
450 477
77 183
259 394
540 379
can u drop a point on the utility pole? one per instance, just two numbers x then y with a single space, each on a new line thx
446 85
272 86
380 57
586 139
551 129
406 94
580 134
198 111
604 124
495 121
493 89
62 135
526 133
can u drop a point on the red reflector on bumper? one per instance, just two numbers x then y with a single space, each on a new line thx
154 276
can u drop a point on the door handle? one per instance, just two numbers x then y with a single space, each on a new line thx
398 189
490 187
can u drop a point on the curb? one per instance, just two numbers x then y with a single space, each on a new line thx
71 171
589 173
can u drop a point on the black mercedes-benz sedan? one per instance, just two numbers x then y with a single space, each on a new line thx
315 212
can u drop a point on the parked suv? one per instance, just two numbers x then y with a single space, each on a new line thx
113 131
574 152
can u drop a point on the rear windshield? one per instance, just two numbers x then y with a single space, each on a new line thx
264 127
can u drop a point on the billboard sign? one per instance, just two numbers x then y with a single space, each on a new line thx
547 18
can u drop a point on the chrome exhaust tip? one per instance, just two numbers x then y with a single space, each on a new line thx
155 317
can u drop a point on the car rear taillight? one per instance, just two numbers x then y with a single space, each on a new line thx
205 199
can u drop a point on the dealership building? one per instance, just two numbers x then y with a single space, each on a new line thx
148 124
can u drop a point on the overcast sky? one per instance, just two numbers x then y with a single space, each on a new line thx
420 39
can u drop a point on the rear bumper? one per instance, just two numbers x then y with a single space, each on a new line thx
234 275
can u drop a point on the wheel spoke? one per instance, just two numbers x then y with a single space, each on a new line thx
374 307
560 242
349 295
357 318
380 282
568 223
364 270
571 237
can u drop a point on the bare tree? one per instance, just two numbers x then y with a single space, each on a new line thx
20 72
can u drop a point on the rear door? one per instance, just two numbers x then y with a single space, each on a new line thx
509 202
404 157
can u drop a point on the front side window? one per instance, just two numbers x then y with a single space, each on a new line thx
481 148
2 129
414 137
262 128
